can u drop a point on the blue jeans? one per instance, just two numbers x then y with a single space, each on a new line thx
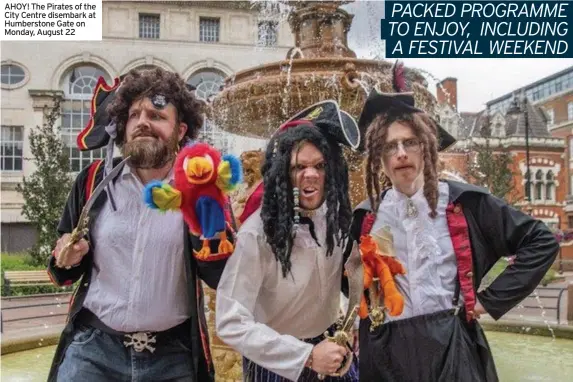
95 356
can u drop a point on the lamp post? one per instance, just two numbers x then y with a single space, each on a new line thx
527 148
515 110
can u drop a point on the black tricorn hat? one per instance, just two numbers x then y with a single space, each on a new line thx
334 123
94 134
395 104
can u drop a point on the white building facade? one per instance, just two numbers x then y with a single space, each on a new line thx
204 42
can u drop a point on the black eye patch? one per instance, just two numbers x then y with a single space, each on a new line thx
159 101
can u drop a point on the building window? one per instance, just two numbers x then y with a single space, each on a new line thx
268 31
539 185
570 222
12 74
207 83
12 143
551 116
570 111
550 186
209 29
149 26
535 95
79 86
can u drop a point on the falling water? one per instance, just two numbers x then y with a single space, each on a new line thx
286 89
295 50
536 295
271 14
363 86
439 84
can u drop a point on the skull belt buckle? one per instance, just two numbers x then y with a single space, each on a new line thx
140 341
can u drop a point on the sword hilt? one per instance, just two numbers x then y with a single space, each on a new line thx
341 338
77 234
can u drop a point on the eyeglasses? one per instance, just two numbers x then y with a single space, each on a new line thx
410 146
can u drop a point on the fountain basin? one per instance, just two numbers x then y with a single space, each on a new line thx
518 357
254 102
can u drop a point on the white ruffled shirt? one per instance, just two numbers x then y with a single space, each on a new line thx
263 315
424 246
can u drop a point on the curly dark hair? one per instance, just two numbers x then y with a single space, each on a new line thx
138 84
277 210
426 131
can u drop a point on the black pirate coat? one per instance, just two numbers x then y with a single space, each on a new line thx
208 271
483 228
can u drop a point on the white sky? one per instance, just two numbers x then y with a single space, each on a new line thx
479 80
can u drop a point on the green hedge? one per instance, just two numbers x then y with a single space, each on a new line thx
23 262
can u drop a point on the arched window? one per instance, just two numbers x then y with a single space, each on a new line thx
78 85
539 185
207 83
550 186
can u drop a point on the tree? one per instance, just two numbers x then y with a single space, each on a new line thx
46 190
491 168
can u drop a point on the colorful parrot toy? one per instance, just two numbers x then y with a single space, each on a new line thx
202 181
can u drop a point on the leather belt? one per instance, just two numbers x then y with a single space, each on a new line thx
138 340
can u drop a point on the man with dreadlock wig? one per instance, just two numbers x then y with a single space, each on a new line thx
280 291
447 235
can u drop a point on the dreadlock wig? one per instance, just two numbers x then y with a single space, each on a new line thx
278 206
425 129
147 83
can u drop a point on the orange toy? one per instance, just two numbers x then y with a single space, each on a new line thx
384 267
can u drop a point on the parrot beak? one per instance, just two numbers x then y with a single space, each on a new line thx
198 169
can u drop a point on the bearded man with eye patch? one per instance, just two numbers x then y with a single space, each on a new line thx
447 235
138 311
280 291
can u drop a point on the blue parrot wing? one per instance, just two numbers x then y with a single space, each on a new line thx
211 216
148 193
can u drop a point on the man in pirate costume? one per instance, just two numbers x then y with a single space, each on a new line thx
447 236
280 290
138 311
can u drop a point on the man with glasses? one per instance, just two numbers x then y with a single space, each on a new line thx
447 236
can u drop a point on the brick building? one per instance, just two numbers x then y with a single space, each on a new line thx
505 124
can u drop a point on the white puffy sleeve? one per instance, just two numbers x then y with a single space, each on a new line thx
237 295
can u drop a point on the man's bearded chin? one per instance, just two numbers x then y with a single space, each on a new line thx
151 153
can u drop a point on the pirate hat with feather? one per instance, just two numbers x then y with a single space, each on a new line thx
400 102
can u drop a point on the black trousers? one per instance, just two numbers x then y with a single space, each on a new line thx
437 347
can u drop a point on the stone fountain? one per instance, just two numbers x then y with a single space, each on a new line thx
254 102
320 66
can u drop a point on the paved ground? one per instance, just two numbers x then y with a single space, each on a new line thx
33 313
